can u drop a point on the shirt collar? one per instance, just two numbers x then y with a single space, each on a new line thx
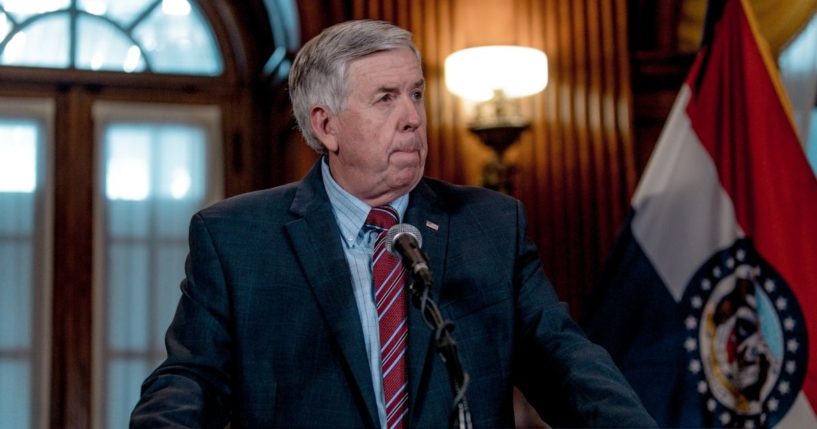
349 210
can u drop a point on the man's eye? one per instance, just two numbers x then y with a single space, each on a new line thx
386 98
417 95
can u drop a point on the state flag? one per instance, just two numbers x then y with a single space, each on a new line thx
709 299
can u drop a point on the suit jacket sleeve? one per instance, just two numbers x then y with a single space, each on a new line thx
191 388
569 380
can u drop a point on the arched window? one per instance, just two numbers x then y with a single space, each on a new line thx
118 120
159 36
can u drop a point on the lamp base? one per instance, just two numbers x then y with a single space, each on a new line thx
497 175
499 135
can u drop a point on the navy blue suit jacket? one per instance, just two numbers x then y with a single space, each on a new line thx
267 332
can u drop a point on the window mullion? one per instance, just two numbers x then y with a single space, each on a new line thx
73 35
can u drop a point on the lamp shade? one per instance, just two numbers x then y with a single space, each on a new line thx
475 73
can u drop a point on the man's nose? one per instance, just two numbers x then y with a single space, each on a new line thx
412 117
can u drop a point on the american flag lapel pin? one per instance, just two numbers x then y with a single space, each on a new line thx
432 225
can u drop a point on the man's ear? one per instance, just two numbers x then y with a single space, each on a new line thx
323 125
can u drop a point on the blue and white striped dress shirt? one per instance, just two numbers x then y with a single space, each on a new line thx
358 245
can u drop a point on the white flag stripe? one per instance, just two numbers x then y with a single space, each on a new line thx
683 215
800 415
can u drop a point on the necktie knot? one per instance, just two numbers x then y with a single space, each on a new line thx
382 217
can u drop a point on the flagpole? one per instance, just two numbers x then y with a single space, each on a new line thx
714 11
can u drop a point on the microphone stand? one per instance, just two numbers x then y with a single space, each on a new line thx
420 287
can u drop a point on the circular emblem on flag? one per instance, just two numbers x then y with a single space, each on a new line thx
745 339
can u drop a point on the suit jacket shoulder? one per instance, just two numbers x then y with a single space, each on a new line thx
456 197
267 202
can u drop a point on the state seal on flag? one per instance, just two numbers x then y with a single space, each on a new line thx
746 339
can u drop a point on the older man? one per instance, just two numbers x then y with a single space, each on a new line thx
293 315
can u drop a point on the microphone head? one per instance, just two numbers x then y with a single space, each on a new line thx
400 229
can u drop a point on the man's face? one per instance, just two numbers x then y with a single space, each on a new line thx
377 144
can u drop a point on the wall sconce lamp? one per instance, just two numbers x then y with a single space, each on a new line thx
494 77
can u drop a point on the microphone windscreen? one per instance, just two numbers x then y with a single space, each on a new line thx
397 230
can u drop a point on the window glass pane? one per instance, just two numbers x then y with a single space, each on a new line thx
121 11
104 47
170 262
45 43
15 293
123 373
128 271
177 39
16 214
5 25
22 9
15 383
127 219
18 154
180 161
169 225
128 162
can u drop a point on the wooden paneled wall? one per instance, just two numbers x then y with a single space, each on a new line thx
576 168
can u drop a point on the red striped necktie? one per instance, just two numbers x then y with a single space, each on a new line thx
388 278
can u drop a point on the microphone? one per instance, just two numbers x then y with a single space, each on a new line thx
405 240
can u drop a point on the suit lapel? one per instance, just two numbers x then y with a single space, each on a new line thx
315 237
425 213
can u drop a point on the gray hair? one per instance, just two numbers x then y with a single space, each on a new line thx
318 74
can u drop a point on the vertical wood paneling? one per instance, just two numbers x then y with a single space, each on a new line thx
606 149
565 160
404 13
358 9
372 8
546 223
429 42
598 194
625 112
452 119
585 94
